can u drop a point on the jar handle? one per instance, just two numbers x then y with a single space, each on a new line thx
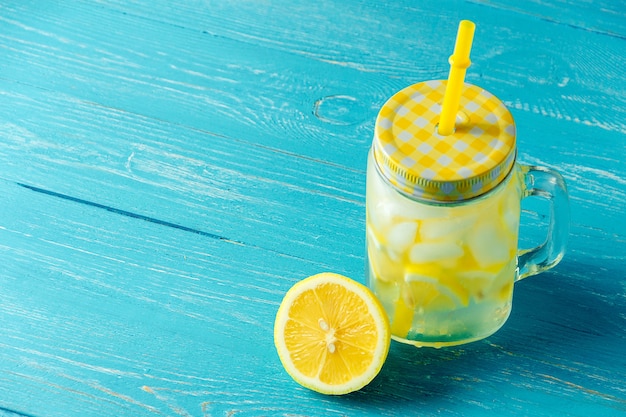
548 184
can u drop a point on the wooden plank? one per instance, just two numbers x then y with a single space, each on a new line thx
209 83
101 312
602 17
231 188
146 166
166 173
109 315
513 56
218 186
534 122
60 264
277 71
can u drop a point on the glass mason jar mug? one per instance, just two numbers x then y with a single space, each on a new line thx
443 216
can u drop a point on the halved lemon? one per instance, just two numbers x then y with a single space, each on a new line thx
332 334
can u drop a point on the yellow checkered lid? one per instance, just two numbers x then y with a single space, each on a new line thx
422 163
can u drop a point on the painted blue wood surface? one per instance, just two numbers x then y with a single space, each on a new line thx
169 170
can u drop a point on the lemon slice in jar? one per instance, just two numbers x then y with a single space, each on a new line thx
332 334
430 293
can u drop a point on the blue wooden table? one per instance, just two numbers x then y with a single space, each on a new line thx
169 170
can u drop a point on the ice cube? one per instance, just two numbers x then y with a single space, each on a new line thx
401 236
450 229
490 244
384 268
385 212
510 221
510 212
379 215
435 252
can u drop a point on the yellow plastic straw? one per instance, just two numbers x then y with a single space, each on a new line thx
459 62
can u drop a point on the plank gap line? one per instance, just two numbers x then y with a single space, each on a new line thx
154 221
127 213
13 412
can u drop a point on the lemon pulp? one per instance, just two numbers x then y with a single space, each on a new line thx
331 333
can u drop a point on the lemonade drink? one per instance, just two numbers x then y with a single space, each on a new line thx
443 216
444 273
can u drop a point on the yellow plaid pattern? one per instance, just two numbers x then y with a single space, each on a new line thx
419 161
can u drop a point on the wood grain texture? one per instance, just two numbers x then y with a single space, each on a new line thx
169 170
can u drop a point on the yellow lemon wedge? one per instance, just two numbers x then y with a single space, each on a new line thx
332 334
402 319
436 294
